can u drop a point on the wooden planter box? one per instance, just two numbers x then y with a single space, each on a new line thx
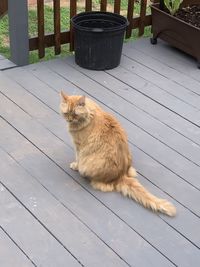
175 31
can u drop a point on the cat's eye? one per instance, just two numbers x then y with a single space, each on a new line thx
81 101
81 104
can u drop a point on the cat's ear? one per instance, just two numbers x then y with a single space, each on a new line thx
63 96
81 101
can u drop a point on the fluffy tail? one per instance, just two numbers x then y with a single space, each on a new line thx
130 187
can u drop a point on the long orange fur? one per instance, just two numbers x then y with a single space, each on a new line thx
102 152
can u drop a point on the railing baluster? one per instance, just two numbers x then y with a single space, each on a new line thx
73 10
130 18
41 40
142 17
88 5
57 29
117 5
103 6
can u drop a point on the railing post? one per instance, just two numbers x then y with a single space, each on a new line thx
18 30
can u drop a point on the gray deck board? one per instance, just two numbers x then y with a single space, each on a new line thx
41 143
61 133
162 97
10 253
144 140
160 81
119 236
186 199
162 114
49 210
5 63
149 124
41 247
172 58
141 118
157 104
167 62
171 237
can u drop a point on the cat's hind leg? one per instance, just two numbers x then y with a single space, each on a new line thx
74 166
105 187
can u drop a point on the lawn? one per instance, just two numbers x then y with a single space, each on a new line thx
4 36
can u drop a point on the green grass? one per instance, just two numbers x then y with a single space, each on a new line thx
4 41
124 3
49 27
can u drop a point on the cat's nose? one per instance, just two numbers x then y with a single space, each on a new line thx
70 120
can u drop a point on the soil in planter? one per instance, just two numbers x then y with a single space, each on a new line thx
190 14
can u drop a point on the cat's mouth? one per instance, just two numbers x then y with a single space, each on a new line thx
72 120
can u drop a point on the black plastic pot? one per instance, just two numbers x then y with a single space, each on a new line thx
98 39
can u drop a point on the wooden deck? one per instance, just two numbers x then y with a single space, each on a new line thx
49 215
5 63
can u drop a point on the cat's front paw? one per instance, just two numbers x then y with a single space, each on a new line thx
74 166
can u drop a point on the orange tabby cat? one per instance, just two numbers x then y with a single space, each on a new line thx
102 152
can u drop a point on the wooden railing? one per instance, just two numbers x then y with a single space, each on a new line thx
57 38
3 7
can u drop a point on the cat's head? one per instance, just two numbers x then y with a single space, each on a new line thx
74 108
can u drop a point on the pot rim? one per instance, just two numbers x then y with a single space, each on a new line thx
123 26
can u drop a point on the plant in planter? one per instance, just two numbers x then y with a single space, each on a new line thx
178 23
172 5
